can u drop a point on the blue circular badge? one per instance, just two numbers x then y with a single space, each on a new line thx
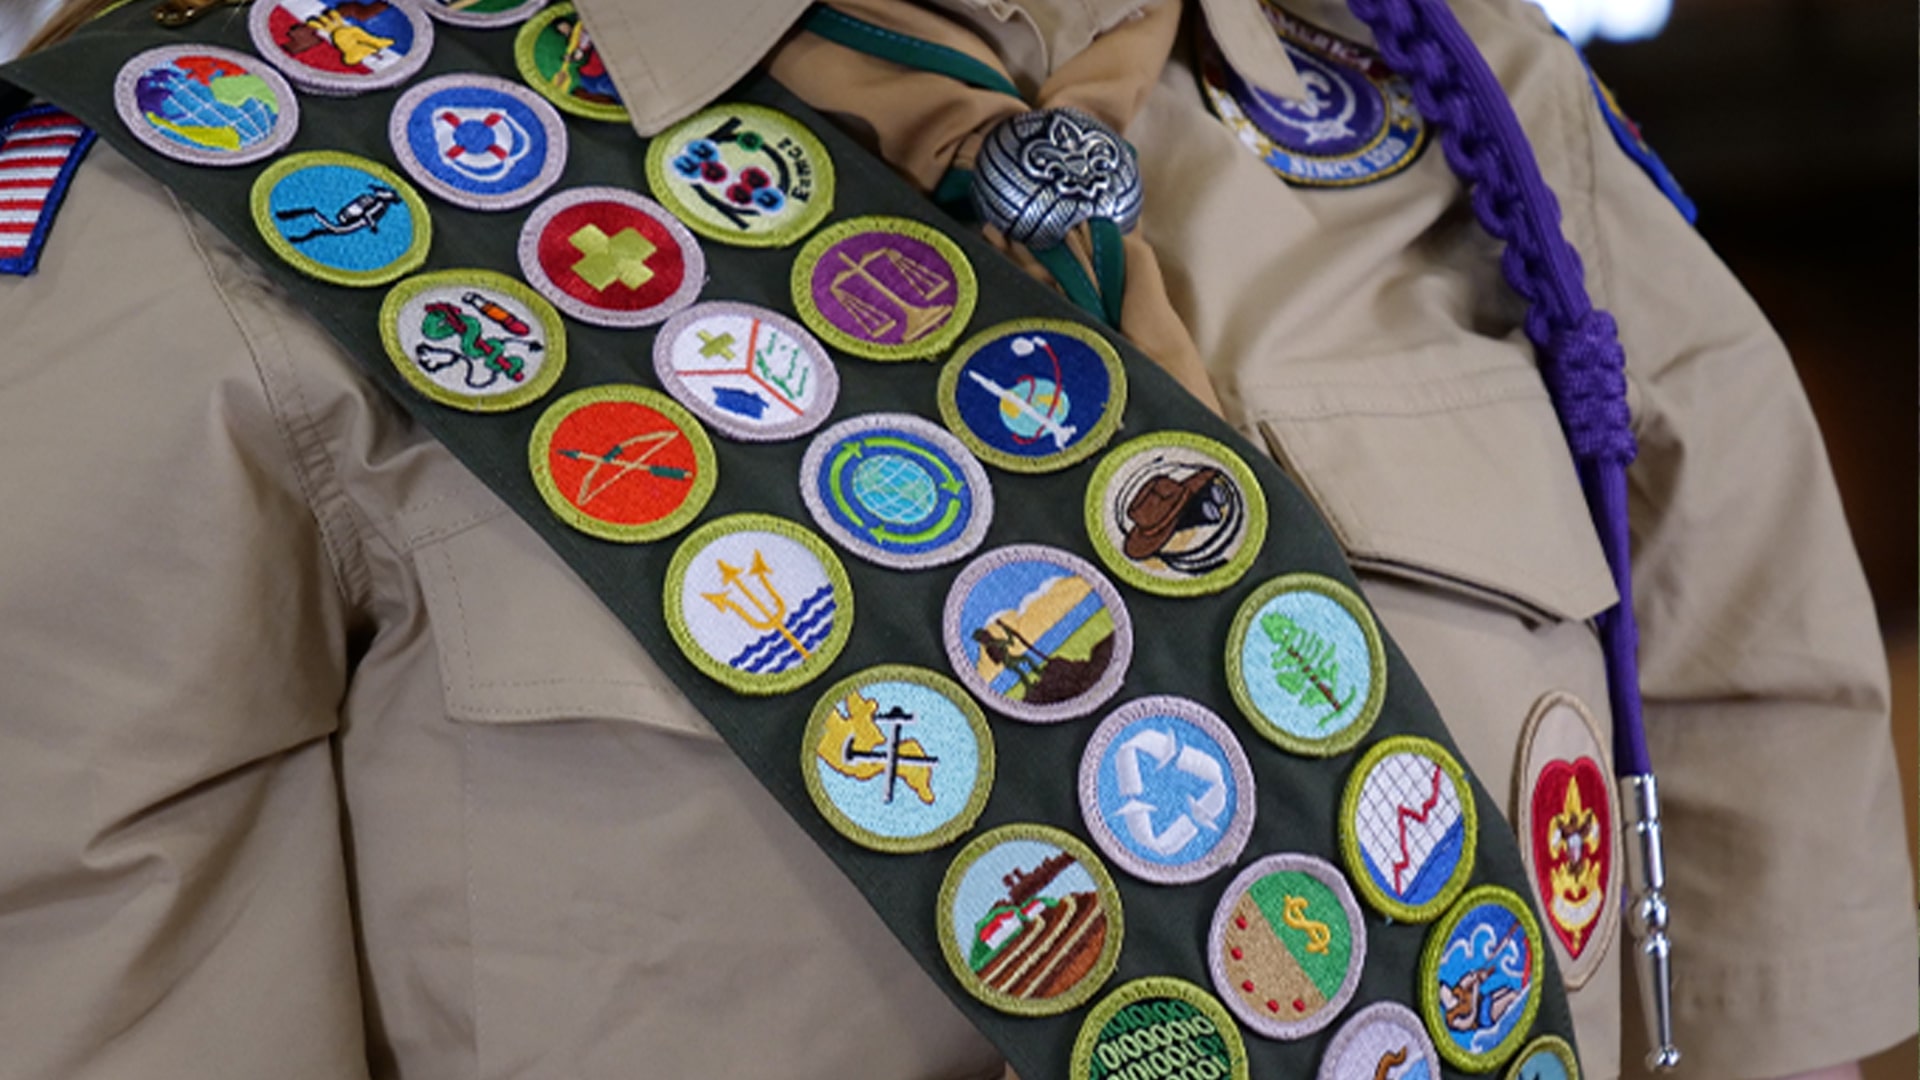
1166 790
1305 664
341 218
478 142
1033 395
1480 978
896 490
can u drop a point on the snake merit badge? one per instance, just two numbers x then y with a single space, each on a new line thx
1287 945
1176 514
205 105
341 219
898 758
1305 664
473 339
1564 815
758 603
557 58
742 174
1029 920
1037 633
1033 395
1548 1057
1408 827
481 14
1159 1027
1356 124
1480 978
611 257
1166 790
478 142
754 375
1383 1041
884 288
622 463
345 48
896 490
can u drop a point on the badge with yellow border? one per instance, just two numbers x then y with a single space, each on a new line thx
1305 664
1548 1057
742 174
473 339
342 219
1034 395
1176 514
1408 827
1480 978
558 59
622 463
884 288
1564 814
1162 1027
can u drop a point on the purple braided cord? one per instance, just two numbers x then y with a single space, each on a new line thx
1578 345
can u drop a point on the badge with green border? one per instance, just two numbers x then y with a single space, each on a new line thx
1034 395
557 58
481 14
1548 1057
1176 514
1170 1026
1305 664
1287 946
884 288
622 463
1480 978
898 758
473 339
1408 827
1384 1040
742 174
341 218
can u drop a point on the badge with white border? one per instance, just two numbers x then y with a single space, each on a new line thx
1172 1026
1548 1057
482 14
884 288
473 339
1033 395
1383 1041
205 105
753 375
558 59
1564 813
1166 790
1305 664
342 219
1408 827
1356 124
742 174
898 758
1480 978
1287 945
1029 920
1176 514
478 142
610 257
342 49
896 490
1037 633
758 603
622 463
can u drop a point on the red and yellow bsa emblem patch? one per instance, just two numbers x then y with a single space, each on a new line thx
1567 821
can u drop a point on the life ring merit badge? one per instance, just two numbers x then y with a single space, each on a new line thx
743 174
1287 946
622 463
1033 395
1408 827
473 339
478 142
1170 1026
1176 514
896 490
1166 791
1480 978
1305 664
884 288
205 105
341 219
750 373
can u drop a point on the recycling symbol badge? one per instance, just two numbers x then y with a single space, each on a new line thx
1408 827
752 374
622 463
473 339
611 257
1176 514
1287 945
1305 664
205 105
1166 790
896 490
478 142
1033 395
743 174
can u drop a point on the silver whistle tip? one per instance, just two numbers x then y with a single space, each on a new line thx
1665 1059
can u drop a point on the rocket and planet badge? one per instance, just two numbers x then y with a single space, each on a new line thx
610 257
345 48
205 105
743 174
1287 946
896 490
473 339
1166 790
1033 395
341 219
478 142
752 374
622 463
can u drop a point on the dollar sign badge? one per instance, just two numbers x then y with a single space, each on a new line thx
1317 933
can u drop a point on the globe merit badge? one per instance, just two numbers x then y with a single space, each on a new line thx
341 219
1033 395
1166 790
1305 664
473 339
752 374
1176 514
1287 945
622 463
611 257
1480 978
1408 827
478 142
1383 1040
342 49
743 174
1037 633
896 490
557 58
1159 1027
205 105
884 288
1564 818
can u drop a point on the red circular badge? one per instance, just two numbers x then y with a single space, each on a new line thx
611 257
622 463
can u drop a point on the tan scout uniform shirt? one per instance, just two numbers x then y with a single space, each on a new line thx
317 765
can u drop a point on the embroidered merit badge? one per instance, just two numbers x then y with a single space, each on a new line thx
898 758
1176 514
758 603
341 219
610 257
1383 1041
1029 920
478 142
1037 633
39 150
1564 814
1166 791
896 490
885 288
1408 827
483 14
342 48
205 105
1357 123
557 58
473 339
1305 664
622 463
1548 1057
754 375
1159 1027
1287 945
1033 395
1479 977
743 174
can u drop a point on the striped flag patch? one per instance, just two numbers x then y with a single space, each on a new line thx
39 150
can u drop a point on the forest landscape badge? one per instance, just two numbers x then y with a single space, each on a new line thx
1480 978
610 257
743 174
341 219
896 490
1305 664
1408 827
1176 514
1033 395
478 142
1384 1041
206 105
1166 790
622 463
344 48
1565 820
884 288
1159 1027
1029 921
1287 945
473 339
898 758
558 59
481 14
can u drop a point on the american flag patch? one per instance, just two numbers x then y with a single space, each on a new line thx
39 150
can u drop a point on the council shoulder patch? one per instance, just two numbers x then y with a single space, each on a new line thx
1166 790
478 142
206 105
1564 814
1159 1027
481 14
344 48
743 174
1305 664
341 218
40 148
1029 920
1176 514
1480 978
1037 633
1548 1057
884 288
622 463
473 339
557 58
1034 395
898 758
1408 827
610 257
1287 946
1383 1041
758 603
896 490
